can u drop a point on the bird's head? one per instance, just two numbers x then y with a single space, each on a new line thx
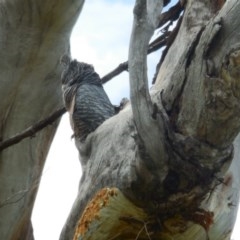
75 72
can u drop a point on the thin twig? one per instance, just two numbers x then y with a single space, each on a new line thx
32 130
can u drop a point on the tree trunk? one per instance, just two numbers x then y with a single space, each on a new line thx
165 166
33 36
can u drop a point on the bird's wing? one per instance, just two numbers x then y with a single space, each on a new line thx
92 107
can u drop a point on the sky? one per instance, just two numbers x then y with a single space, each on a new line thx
100 37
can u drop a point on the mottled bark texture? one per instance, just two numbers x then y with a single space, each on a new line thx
167 166
33 36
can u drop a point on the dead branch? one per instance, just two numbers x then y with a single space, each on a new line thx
171 15
32 130
159 42
122 67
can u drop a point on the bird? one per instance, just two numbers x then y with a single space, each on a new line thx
84 97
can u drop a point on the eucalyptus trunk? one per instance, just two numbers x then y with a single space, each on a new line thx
33 37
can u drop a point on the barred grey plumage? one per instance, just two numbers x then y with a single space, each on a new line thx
84 97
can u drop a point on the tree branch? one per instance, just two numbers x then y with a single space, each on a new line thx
32 130
146 18
122 67
171 15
